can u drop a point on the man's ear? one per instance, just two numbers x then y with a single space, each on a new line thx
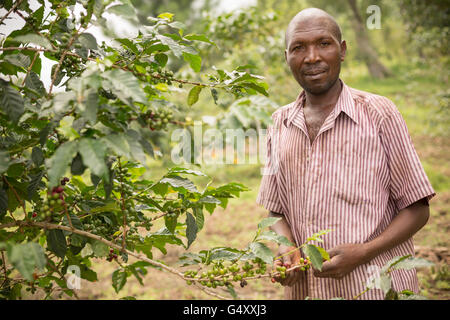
285 55
343 49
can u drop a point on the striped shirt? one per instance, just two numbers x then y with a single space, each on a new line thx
357 174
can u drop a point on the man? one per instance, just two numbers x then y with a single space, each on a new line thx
340 159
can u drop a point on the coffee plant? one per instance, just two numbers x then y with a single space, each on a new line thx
74 183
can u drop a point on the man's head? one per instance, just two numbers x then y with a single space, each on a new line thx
314 50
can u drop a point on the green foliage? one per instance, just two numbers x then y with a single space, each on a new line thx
73 156
383 279
427 24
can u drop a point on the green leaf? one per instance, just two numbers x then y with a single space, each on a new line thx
411 297
58 163
39 14
258 87
273 236
136 150
93 153
35 181
195 61
99 248
108 207
215 95
194 95
191 228
412 263
89 107
177 170
19 60
26 257
262 251
56 242
199 37
33 82
127 43
119 279
37 156
210 207
179 184
61 101
166 16
88 274
12 103
170 223
122 10
391 263
3 202
4 161
147 147
77 167
267 222
178 25
385 283
87 250
35 39
209 199
125 85
118 143
323 252
318 236
232 292
161 58
391 295
199 217
88 41
15 170
314 255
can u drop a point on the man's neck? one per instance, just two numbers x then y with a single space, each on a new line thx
326 99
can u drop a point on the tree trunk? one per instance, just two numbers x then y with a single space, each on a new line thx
368 53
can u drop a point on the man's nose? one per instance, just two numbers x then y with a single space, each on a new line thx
312 55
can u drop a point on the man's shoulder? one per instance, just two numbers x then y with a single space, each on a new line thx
379 104
282 112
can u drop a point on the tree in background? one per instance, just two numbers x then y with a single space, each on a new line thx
368 53
428 25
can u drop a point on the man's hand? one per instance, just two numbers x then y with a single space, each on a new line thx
343 260
288 260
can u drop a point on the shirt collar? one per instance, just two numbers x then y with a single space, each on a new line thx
345 103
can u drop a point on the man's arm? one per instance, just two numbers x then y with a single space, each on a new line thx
283 228
346 257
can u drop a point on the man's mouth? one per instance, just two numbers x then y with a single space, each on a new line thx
314 74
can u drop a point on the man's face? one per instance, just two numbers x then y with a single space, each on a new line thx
314 55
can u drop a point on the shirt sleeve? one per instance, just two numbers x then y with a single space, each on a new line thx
268 191
408 180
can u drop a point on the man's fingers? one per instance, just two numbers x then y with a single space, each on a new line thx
328 265
333 252
287 278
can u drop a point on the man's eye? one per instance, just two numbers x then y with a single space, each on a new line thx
325 44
